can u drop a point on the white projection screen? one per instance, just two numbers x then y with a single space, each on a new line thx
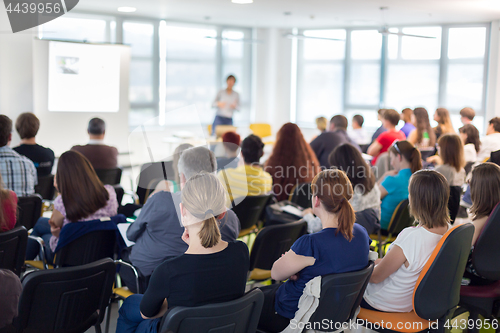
83 77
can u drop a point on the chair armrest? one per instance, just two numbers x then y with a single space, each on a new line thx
136 273
41 254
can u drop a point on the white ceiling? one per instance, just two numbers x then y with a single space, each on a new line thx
307 13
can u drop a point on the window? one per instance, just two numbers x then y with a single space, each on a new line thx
95 29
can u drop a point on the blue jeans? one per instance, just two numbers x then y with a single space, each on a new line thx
219 120
467 197
130 319
41 229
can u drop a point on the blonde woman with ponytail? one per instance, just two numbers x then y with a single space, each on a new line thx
341 246
210 271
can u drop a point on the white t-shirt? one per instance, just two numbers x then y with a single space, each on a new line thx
489 143
395 293
470 153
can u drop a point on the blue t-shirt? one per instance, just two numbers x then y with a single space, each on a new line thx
407 129
333 254
397 190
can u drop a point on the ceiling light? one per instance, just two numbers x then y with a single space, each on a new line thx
127 9
242 2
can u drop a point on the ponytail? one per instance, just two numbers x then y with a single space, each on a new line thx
209 233
409 153
346 218
415 160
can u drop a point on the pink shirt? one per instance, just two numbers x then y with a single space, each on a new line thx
109 210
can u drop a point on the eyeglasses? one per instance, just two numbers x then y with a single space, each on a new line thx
395 145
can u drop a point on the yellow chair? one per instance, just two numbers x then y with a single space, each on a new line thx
262 130
209 127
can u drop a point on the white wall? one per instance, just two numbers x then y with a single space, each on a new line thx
492 102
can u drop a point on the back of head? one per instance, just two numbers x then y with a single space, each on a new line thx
27 125
195 160
452 151
97 126
358 119
339 121
347 158
204 197
252 149
444 120
321 123
175 160
423 125
496 123
409 153
10 291
468 113
406 115
484 189
231 141
472 135
392 116
428 195
5 129
381 112
81 190
334 190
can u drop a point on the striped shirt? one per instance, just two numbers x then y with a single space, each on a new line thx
18 172
246 180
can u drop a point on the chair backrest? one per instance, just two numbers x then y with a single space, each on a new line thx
382 165
67 299
261 129
13 249
468 167
272 241
427 152
109 176
364 148
486 254
454 202
120 192
151 174
29 209
437 290
238 316
46 187
250 209
341 294
302 195
401 218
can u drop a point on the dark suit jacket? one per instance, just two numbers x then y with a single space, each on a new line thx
326 142
100 156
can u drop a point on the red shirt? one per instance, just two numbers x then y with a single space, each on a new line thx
9 207
386 139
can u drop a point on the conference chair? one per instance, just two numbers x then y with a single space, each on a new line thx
271 242
120 192
65 300
301 195
29 209
427 152
262 130
250 211
364 148
13 249
484 300
46 187
454 202
109 176
437 291
400 219
151 174
382 165
237 316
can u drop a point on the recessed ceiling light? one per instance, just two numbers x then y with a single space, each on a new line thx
242 2
127 9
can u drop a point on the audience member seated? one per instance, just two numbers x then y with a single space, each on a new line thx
485 195
250 178
231 142
450 161
366 193
325 143
442 116
321 124
491 142
385 140
407 117
423 136
100 155
211 270
157 230
292 161
467 115
393 280
82 197
18 172
342 246
8 210
381 129
10 291
27 125
406 160
358 133
470 140
175 164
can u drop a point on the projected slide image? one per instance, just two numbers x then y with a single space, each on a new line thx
68 65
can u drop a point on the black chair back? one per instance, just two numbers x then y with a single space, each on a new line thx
151 174
302 195
364 148
120 192
454 201
13 249
46 187
109 176
272 241
29 210
426 153
341 294
238 316
250 209
401 218
468 167
437 291
66 300
486 254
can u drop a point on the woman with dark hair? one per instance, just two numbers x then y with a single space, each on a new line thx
8 209
423 136
450 159
82 197
442 116
341 246
470 139
292 161
406 160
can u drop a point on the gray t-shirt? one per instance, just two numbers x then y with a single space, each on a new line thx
453 177
231 99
